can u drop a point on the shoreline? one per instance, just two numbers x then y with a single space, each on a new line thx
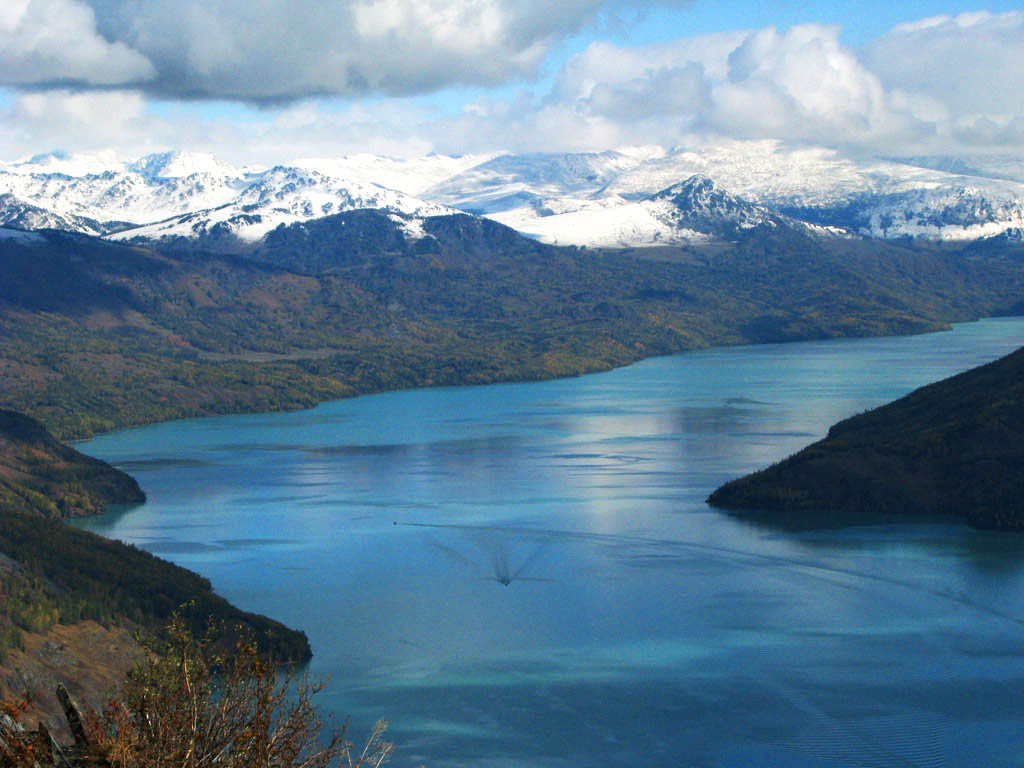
949 326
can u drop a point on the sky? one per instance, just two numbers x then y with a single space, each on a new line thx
268 81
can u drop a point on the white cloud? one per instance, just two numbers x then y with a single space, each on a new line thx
800 85
278 50
603 62
56 41
973 63
803 84
665 91
88 121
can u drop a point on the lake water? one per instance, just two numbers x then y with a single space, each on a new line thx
527 574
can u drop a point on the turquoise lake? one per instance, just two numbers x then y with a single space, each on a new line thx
528 575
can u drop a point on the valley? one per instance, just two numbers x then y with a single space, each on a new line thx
296 288
528 572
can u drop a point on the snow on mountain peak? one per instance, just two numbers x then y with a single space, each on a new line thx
176 164
411 176
693 211
67 164
283 195
700 204
699 192
630 196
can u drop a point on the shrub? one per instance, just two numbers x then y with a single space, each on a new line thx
191 706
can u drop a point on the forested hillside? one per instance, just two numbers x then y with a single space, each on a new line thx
952 448
52 573
95 335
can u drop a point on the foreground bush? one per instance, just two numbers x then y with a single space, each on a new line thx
190 706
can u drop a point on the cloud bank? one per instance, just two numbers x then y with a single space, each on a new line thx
949 84
944 84
46 42
278 50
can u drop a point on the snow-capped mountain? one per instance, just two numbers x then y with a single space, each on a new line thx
954 212
871 196
509 182
179 165
611 198
412 176
150 189
1005 167
78 164
182 194
281 195
691 212
18 213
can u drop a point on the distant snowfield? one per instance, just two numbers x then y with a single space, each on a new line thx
413 177
620 226
595 199
284 195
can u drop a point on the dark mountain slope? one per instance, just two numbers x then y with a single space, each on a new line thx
952 448
95 335
698 204
370 238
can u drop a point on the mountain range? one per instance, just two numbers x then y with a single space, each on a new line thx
619 198
96 333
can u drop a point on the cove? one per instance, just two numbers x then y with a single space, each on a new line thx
528 575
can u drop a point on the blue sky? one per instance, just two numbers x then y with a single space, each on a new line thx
409 76
859 23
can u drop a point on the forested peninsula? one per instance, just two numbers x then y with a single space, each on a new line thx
70 601
954 448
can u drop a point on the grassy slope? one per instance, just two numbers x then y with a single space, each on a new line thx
952 448
95 336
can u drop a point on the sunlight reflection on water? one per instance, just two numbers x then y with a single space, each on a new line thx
528 574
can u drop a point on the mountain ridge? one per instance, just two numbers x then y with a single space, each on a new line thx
37 470
96 334
557 197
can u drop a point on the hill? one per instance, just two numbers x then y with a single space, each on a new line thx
951 448
96 335
40 474
51 573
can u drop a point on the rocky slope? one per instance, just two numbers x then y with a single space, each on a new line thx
89 659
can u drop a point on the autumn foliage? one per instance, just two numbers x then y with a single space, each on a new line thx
192 706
